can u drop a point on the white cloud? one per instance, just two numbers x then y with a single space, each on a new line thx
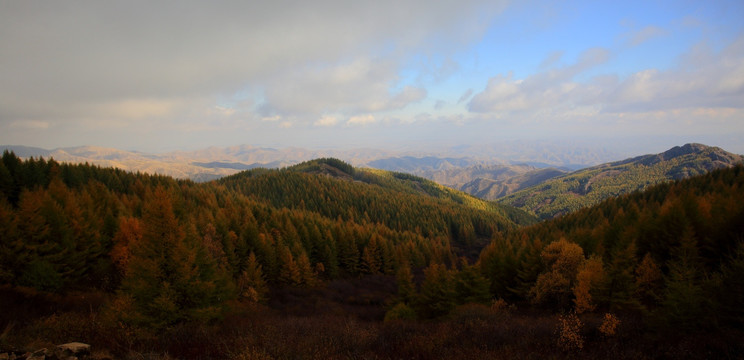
65 61
361 120
359 86
716 82
30 124
647 33
465 96
326 121
271 118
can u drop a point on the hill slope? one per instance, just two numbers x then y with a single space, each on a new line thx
589 186
673 251
399 201
487 181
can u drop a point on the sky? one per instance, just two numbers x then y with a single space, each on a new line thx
180 75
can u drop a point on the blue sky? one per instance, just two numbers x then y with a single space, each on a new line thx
147 76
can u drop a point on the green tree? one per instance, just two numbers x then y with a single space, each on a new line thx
729 290
406 287
471 286
684 302
437 294
649 281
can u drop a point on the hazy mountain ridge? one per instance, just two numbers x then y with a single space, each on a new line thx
589 186
441 164
478 178
491 189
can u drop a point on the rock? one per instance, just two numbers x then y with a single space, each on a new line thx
75 348
38 355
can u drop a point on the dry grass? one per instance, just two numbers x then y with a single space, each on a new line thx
469 332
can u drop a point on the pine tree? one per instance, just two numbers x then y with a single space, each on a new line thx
406 288
289 272
127 237
562 259
437 294
170 278
620 286
684 304
307 274
371 257
648 281
8 229
591 274
471 286
251 284
729 290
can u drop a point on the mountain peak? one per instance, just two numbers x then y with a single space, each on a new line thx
686 149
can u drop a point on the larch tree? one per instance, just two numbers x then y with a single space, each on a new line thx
170 278
437 294
562 259
590 276
251 283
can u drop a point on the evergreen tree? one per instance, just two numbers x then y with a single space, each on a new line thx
729 290
8 229
684 304
437 294
371 257
171 278
649 281
620 286
471 286
289 272
251 284
406 287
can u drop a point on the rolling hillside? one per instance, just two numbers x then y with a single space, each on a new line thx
581 188
400 201
482 179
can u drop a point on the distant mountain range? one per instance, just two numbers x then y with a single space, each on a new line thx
547 183
200 165
478 178
569 192
449 165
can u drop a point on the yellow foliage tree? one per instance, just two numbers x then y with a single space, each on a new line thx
590 275
562 259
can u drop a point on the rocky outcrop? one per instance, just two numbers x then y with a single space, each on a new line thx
69 351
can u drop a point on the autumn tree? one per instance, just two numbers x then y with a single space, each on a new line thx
406 287
127 237
437 295
648 281
170 278
289 271
251 283
589 277
562 259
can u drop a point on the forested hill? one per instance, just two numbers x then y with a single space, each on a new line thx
335 189
589 186
177 250
674 251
